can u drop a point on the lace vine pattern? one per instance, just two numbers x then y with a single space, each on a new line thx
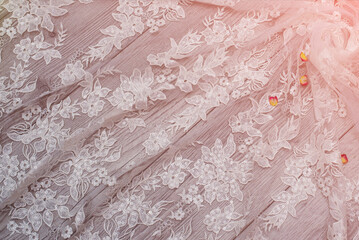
221 76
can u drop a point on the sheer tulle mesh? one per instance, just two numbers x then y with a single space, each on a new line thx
169 119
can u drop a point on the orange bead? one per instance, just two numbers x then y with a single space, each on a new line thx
344 158
303 80
303 57
273 101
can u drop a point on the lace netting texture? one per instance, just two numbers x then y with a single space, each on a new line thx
179 119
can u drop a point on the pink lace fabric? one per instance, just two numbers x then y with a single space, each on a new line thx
179 119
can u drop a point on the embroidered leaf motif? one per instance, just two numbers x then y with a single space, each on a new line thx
20 213
63 212
48 217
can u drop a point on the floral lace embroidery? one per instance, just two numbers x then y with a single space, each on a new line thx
219 78
134 16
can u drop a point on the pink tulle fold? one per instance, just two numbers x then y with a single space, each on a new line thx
333 39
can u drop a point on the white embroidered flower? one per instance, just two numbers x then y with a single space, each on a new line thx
245 29
293 91
262 153
96 181
47 134
8 165
181 162
243 123
173 177
216 191
25 49
11 32
198 200
46 183
293 170
134 24
45 199
34 236
7 22
160 22
156 141
126 6
17 7
179 214
36 109
28 23
248 141
153 29
150 22
9 109
326 192
216 34
134 204
138 11
129 24
161 78
24 165
217 95
236 93
342 112
16 102
21 176
167 6
186 79
171 77
92 105
35 186
139 85
25 228
304 186
72 73
12 226
186 198
26 115
215 220
245 93
122 100
66 232
204 172
9 185
21 201
223 81
193 189
110 181
102 172
320 183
